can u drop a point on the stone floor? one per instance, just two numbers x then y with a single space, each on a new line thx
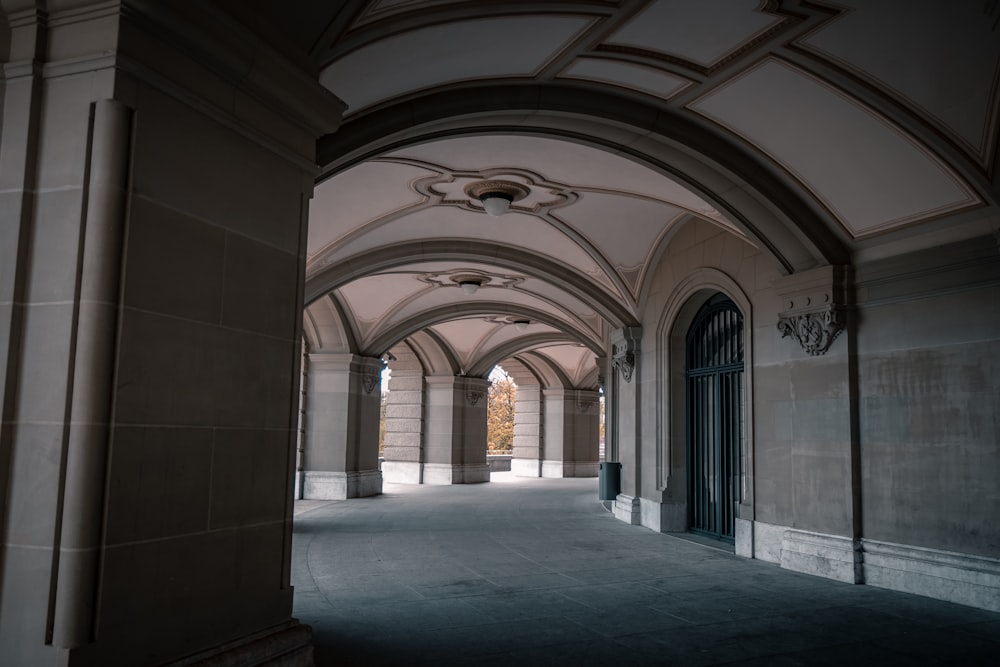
536 572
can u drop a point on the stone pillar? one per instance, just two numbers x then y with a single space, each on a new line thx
571 433
625 398
404 428
455 444
527 459
155 174
342 414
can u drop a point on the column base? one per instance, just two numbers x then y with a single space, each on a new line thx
626 508
526 467
570 468
831 556
663 517
403 472
286 645
320 485
456 473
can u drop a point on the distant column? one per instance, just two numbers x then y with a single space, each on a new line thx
572 431
455 428
404 425
341 454
527 460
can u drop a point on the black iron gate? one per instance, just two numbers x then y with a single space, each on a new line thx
714 417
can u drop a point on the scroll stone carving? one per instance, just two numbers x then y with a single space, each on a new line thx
815 331
815 306
624 347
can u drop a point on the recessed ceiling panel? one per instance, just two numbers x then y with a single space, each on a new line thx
358 196
640 78
576 360
451 52
695 30
371 297
942 56
867 172
465 336
626 229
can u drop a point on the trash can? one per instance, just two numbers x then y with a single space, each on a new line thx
609 480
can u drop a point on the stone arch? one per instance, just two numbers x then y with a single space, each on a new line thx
324 327
579 285
768 206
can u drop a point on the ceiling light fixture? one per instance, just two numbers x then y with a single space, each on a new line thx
470 285
497 196
521 325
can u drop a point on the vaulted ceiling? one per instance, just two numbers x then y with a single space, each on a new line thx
818 132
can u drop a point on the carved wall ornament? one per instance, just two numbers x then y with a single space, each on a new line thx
369 381
815 331
584 404
624 347
475 396
814 307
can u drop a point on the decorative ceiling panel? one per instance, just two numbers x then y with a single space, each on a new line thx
626 229
370 298
574 164
465 336
640 78
703 33
576 360
445 222
447 53
358 196
866 171
943 57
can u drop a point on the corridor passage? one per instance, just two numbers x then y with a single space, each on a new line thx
535 572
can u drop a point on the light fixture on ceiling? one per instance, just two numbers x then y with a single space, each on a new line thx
521 325
469 282
497 196
471 286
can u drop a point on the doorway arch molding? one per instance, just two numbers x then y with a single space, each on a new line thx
770 207
679 311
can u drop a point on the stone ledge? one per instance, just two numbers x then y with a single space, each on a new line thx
323 485
285 645
944 575
456 473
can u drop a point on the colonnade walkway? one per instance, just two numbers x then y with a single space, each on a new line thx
536 572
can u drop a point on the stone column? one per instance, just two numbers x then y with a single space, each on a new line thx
624 407
527 459
341 453
404 428
155 174
571 433
455 444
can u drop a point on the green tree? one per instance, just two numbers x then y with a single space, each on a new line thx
500 413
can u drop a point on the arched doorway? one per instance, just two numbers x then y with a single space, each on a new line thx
715 425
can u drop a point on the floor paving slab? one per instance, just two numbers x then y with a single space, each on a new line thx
536 572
